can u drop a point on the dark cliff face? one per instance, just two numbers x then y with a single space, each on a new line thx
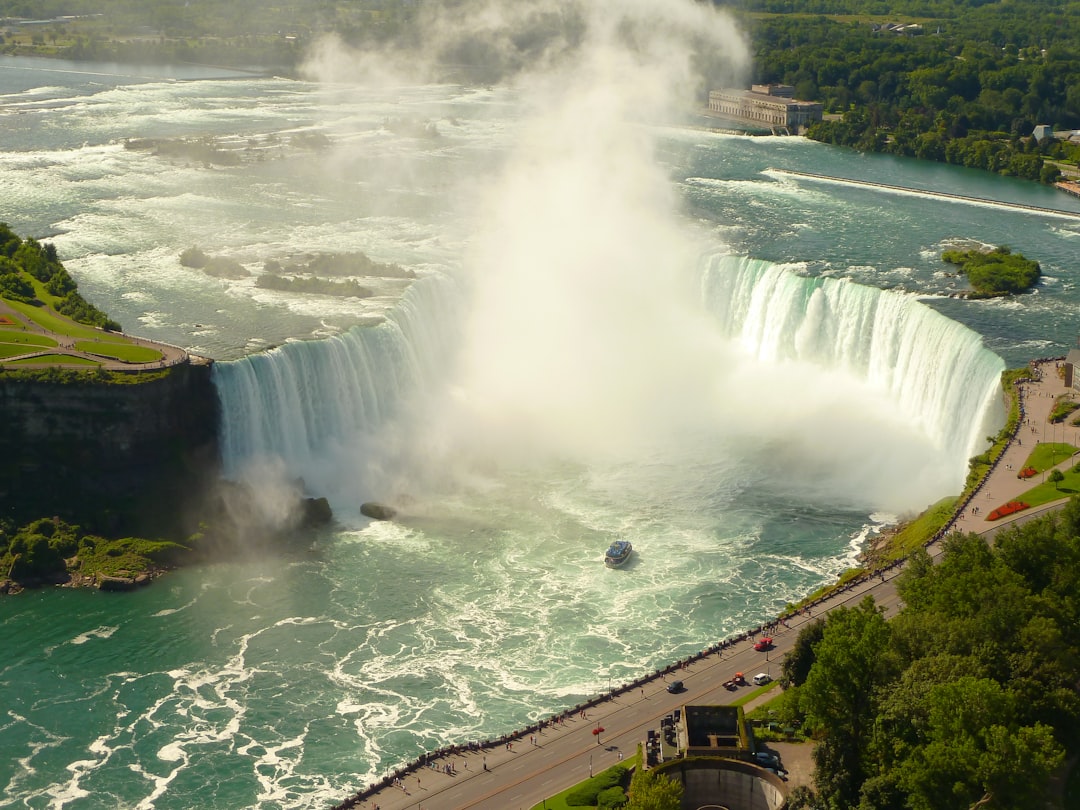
112 458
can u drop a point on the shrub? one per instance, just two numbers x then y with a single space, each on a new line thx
610 798
1062 408
996 272
588 792
1007 509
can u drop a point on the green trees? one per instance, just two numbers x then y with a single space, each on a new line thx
968 696
40 262
652 791
951 94
995 272
797 663
839 699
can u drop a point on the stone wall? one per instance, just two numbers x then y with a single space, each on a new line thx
726 782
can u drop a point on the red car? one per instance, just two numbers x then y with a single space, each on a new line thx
763 643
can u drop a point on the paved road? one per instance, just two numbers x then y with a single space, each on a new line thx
567 753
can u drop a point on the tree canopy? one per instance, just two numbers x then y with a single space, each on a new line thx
945 80
967 697
995 272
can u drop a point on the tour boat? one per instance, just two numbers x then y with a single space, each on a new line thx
618 553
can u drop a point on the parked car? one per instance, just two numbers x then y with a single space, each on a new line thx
761 679
675 687
767 759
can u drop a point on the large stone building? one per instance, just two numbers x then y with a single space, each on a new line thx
712 752
769 106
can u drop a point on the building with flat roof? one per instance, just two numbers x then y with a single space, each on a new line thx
711 751
772 106
1072 369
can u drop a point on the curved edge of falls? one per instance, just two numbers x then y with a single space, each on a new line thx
306 399
299 400
936 369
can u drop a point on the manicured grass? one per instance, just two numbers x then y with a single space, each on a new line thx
753 693
558 801
129 353
56 359
12 350
51 322
1046 492
1049 454
25 338
1064 406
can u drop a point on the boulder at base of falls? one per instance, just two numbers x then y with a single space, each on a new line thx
377 511
317 512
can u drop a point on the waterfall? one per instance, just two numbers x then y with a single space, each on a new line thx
301 401
307 404
937 370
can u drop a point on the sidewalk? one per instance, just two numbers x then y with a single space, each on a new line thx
1037 401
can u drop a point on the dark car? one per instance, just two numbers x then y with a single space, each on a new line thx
675 687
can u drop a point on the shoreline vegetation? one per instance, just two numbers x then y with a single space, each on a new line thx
995 273
971 84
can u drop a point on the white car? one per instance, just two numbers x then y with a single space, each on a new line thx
761 679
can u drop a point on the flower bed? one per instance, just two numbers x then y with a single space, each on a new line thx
1007 509
1027 472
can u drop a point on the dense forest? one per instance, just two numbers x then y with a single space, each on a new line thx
967 85
967 698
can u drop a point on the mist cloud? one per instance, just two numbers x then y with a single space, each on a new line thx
584 336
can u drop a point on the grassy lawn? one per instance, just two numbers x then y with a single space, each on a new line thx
51 322
1049 454
558 801
753 693
57 359
1047 492
24 338
127 352
12 350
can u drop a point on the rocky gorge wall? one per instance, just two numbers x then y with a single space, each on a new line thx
113 457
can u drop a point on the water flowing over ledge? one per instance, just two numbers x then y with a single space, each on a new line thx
936 369
297 401
303 401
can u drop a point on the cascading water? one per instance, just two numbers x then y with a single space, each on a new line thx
302 402
936 369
